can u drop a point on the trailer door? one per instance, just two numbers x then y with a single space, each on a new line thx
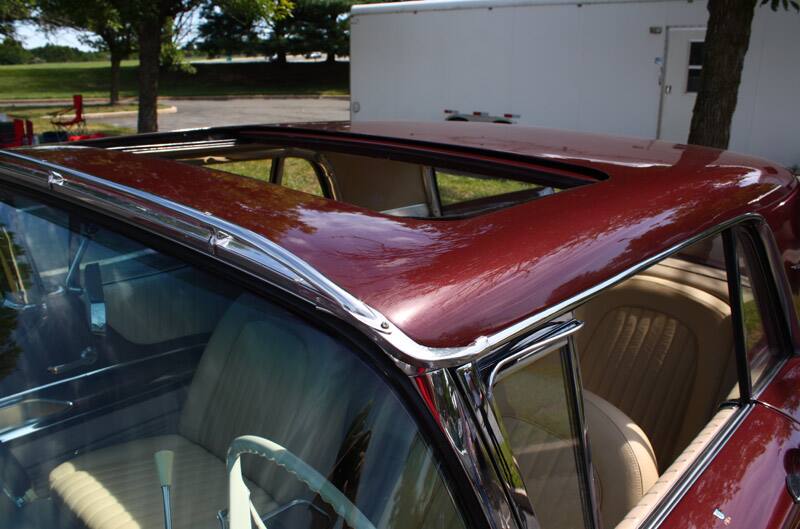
684 63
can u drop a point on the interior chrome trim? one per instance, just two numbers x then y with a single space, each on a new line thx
259 255
16 397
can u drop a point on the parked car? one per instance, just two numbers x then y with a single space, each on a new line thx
453 325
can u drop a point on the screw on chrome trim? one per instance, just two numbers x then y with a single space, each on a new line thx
220 239
384 325
54 178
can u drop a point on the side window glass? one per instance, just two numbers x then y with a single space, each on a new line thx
299 174
761 334
657 361
538 415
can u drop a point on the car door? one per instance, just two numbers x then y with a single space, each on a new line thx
752 477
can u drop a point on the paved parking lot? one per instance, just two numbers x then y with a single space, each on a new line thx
210 113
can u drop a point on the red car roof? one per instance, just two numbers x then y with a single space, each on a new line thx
447 282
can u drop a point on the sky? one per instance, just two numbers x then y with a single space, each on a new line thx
32 36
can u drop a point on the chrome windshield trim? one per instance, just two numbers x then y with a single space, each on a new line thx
259 255
440 392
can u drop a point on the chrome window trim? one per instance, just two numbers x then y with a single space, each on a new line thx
275 264
439 389
481 381
527 354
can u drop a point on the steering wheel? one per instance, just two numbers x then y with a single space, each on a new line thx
241 510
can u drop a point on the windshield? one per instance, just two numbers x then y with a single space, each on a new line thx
127 377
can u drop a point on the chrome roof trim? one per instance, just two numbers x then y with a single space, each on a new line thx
258 255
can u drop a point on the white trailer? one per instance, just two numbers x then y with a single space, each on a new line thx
627 67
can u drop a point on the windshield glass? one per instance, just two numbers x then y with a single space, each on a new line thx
112 352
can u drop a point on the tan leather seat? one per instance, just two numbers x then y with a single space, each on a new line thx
261 374
660 351
542 443
623 458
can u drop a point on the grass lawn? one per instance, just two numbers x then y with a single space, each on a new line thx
455 188
62 80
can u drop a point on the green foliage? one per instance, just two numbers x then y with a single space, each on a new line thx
321 25
224 33
786 4
55 53
99 17
12 52
310 25
12 11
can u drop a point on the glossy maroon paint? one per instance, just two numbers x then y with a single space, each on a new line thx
746 481
445 283
784 391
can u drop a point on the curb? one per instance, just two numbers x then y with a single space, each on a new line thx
256 96
48 102
104 100
90 115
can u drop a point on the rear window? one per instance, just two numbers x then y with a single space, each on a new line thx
457 188
397 183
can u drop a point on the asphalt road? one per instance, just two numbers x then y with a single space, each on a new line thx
211 113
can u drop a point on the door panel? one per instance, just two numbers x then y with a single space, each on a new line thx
681 80
745 484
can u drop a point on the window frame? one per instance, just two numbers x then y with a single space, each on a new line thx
321 166
485 204
771 309
452 472
758 232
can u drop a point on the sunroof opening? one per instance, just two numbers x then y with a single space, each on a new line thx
396 183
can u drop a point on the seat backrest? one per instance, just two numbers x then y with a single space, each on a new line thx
624 461
265 373
623 458
651 346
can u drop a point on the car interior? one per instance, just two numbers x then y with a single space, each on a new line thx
659 379
164 357
405 188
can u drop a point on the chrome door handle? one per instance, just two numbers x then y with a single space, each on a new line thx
88 357
668 89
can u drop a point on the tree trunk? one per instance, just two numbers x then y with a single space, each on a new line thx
116 59
727 40
149 55
331 57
